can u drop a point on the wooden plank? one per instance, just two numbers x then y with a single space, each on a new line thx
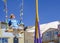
19 30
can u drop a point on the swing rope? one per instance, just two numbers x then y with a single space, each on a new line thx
5 9
21 13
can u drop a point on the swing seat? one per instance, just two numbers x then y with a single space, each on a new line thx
18 30
9 30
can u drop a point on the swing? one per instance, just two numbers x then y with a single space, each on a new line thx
8 29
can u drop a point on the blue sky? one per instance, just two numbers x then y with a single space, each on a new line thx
49 10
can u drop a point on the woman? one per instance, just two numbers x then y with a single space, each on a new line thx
13 23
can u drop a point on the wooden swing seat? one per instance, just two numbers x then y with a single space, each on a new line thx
18 30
